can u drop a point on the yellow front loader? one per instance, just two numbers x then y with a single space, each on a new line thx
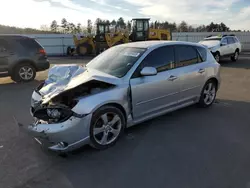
101 41
140 31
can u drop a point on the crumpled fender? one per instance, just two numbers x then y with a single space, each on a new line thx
117 95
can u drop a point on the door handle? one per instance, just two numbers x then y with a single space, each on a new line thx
201 71
172 78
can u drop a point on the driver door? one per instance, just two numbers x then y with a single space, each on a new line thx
154 94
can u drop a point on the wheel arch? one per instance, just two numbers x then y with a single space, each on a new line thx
117 105
217 51
22 61
215 80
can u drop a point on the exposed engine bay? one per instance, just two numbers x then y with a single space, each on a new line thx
58 107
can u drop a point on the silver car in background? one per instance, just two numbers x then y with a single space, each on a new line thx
125 85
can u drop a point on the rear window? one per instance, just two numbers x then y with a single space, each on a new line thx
29 43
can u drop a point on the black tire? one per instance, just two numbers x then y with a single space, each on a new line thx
69 51
217 57
203 96
85 45
235 56
16 75
96 118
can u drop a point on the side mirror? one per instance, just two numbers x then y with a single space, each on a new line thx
223 44
148 71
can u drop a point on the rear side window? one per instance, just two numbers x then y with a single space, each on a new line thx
230 40
3 45
236 39
161 58
202 52
187 55
29 43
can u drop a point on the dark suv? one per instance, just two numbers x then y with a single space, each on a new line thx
21 57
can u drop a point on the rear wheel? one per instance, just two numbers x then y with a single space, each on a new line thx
69 51
208 94
84 49
107 125
235 56
24 72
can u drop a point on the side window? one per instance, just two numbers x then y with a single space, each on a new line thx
187 55
230 40
202 53
236 39
161 58
3 45
224 40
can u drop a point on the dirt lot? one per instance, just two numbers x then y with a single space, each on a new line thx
188 148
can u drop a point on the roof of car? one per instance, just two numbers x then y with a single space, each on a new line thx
14 35
213 37
156 43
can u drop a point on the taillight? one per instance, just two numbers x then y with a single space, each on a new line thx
42 51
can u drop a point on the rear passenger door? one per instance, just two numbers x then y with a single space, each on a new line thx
192 70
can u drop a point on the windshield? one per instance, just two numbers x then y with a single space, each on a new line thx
117 60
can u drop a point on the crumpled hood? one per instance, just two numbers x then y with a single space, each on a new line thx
65 77
210 43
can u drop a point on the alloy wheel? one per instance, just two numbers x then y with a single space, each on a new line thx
26 73
107 128
209 93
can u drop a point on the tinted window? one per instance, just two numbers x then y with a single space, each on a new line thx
28 43
187 55
161 58
230 40
3 45
202 52
224 40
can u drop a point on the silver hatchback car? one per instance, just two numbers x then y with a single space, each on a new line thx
125 85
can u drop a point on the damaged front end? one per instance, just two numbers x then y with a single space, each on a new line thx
57 126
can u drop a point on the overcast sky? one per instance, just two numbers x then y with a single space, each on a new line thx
34 13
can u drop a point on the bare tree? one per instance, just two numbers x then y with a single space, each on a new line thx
90 26
54 26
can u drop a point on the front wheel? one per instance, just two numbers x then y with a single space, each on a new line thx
208 94
235 56
107 125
